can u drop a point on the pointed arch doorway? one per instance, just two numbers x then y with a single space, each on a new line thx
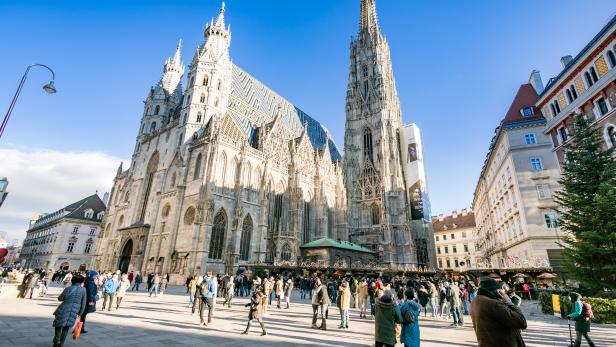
127 252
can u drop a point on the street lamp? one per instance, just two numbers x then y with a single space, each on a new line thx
49 88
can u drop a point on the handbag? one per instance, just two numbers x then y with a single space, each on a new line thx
77 329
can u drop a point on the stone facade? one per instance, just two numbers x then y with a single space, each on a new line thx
513 203
65 239
225 173
379 212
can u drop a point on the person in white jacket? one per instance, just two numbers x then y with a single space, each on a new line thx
121 291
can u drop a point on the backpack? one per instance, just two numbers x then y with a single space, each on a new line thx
204 288
587 311
408 317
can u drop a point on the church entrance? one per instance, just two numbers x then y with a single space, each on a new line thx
127 251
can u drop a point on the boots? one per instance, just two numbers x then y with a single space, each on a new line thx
263 327
247 328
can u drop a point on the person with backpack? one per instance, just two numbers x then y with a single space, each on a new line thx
410 311
582 314
255 312
387 315
109 291
206 291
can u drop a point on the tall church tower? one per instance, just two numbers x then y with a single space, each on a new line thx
209 78
378 209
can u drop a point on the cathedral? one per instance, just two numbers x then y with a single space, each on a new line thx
226 173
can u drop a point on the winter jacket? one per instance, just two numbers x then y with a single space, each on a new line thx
110 286
345 299
74 300
320 296
581 323
409 334
278 288
288 289
497 323
454 298
256 302
91 293
122 287
363 290
386 316
192 285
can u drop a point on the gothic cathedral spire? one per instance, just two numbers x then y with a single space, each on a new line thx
378 215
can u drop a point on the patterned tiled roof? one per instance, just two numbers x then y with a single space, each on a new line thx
327 242
253 104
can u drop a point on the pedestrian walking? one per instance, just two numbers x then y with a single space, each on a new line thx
387 315
410 310
455 305
91 296
73 303
121 291
320 300
363 298
191 289
288 290
197 297
109 291
278 290
267 292
67 279
582 314
497 321
155 285
424 298
229 291
207 291
163 284
150 280
345 305
137 281
255 312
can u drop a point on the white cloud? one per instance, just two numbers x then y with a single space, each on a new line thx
44 180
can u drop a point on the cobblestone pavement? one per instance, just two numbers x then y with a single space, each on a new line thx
166 321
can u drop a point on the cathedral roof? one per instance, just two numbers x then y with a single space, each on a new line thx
252 105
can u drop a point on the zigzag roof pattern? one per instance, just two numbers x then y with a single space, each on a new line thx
252 104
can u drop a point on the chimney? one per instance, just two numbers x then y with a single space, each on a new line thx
535 81
566 60
454 214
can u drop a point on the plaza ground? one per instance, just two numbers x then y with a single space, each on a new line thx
167 321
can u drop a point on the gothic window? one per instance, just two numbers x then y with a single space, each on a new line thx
365 71
197 172
330 223
126 196
285 253
156 110
192 81
166 210
256 178
365 89
205 80
149 178
172 182
376 215
202 98
218 235
219 85
306 223
232 173
189 216
121 221
246 237
247 173
368 143
220 169
152 127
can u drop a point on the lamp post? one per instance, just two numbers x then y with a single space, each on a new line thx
49 88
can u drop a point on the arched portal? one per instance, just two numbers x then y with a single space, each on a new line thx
127 251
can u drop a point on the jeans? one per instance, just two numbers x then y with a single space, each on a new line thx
578 339
464 306
108 296
344 318
196 300
455 313
444 307
315 313
135 286
432 303
154 290
209 302
191 298
60 336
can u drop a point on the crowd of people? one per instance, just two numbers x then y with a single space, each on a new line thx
394 304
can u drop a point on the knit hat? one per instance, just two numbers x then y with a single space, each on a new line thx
489 284
93 273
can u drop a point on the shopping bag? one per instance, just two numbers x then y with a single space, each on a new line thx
77 329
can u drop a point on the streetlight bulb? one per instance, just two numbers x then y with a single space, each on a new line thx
49 88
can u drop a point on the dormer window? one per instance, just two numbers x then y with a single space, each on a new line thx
89 213
527 111
100 215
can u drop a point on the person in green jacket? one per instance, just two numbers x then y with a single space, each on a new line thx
582 324
386 316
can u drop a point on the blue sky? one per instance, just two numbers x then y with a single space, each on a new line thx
457 66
